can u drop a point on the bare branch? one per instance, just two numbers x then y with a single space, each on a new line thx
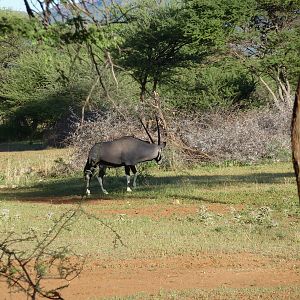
87 100
28 9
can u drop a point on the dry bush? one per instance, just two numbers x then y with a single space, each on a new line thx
236 136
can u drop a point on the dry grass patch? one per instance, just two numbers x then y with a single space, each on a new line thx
21 168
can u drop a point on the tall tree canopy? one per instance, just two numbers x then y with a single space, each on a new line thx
197 54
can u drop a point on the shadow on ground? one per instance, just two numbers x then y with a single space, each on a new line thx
22 146
70 190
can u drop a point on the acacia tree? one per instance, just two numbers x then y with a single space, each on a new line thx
81 33
268 43
86 23
152 43
161 37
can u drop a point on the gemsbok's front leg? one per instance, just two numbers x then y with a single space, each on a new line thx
102 171
127 172
88 176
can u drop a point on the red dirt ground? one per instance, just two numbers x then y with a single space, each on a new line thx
177 273
104 278
152 210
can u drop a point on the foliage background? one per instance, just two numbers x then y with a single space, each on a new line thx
140 58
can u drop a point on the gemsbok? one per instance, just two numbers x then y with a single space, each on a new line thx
125 152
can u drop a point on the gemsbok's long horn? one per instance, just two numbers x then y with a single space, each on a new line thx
151 139
158 131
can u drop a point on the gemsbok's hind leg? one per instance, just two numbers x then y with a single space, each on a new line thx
134 171
127 172
102 171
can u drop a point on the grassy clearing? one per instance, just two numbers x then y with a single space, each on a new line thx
271 185
262 214
249 230
266 223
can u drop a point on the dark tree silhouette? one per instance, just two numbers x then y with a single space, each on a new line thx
295 135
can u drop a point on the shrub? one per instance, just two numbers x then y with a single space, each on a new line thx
250 136
237 136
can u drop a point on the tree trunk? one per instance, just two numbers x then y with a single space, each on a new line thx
295 136
28 9
284 89
143 92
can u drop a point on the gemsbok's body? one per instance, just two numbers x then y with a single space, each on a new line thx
126 151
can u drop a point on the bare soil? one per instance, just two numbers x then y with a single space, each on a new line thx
177 273
104 278
109 277
153 210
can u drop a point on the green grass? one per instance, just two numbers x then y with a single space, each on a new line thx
262 214
271 185
252 187
146 237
